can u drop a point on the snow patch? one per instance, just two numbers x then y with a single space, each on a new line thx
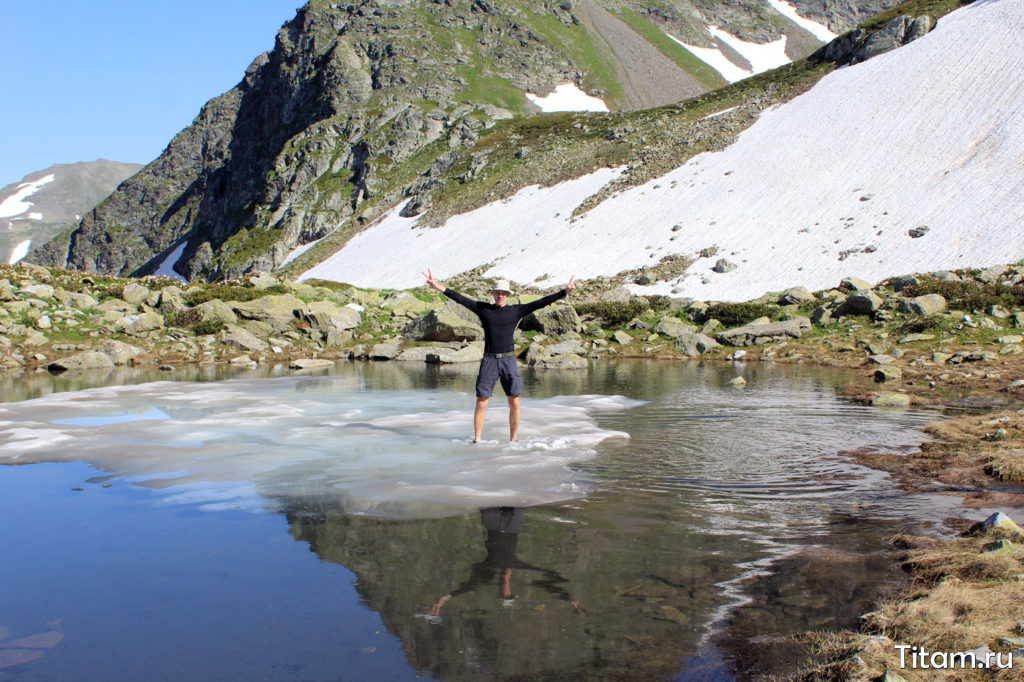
19 252
16 204
35 216
762 56
166 267
567 97
714 58
819 31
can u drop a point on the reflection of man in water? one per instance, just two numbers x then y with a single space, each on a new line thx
502 524
499 320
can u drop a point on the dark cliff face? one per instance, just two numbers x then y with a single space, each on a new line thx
355 101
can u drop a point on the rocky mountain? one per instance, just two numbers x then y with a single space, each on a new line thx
360 105
47 202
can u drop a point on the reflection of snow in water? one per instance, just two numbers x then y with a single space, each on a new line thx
232 444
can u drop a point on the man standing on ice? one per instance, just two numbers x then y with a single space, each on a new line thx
499 320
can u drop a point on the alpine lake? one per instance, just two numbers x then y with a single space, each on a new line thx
653 521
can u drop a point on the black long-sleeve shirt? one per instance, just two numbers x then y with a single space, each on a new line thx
499 322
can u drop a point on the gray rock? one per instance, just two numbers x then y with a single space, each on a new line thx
89 359
443 324
119 351
37 291
891 400
134 293
215 310
405 304
993 274
821 316
139 325
860 302
912 338
325 316
849 284
35 339
929 304
694 344
673 327
263 280
473 352
947 276
553 319
1010 338
622 338
901 283
881 360
387 350
116 305
998 311
563 361
887 375
795 295
724 265
239 337
738 382
752 334
278 310
712 326
310 363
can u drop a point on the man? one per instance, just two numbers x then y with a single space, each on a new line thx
499 320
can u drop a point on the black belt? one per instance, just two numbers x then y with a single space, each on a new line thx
500 355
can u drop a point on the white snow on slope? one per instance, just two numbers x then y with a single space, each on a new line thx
762 56
19 252
930 134
16 204
166 267
714 58
567 97
819 31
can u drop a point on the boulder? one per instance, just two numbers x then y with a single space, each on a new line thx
622 338
795 295
134 293
37 291
310 363
325 316
911 338
723 265
694 344
474 352
242 338
443 324
821 316
263 280
999 521
887 375
849 284
553 319
119 351
139 325
215 310
752 334
901 283
278 310
405 304
891 400
81 301
673 327
89 359
116 305
929 304
387 350
993 274
738 382
861 302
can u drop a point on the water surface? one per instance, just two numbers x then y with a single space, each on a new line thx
329 526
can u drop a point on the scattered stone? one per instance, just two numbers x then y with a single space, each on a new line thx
89 359
443 324
1001 547
758 334
881 360
912 338
118 351
139 325
473 352
35 339
821 316
993 274
673 327
553 319
386 350
853 284
134 293
891 400
239 337
242 361
887 375
929 304
278 310
901 283
861 302
723 265
622 338
997 521
738 382
693 344
998 311
263 280
37 291
310 363
916 232
795 295
325 317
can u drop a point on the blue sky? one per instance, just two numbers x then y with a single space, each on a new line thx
117 79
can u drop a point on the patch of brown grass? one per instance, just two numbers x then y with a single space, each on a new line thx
1007 466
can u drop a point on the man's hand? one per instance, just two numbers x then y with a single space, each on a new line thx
572 283
431 281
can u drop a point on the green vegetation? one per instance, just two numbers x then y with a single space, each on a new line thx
735 314
580 48
683 58
914 8
229 292
612 313
969 295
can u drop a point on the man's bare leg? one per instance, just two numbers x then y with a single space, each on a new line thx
513 418
478 418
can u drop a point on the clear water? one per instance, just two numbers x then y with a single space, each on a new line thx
329 526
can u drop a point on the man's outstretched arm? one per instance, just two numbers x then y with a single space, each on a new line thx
451 293
528 308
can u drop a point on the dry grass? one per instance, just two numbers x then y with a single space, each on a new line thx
1007 466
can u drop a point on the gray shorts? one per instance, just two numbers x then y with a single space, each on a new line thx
493 369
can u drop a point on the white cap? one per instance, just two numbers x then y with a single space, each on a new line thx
502 285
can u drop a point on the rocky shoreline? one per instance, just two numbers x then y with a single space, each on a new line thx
951 339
